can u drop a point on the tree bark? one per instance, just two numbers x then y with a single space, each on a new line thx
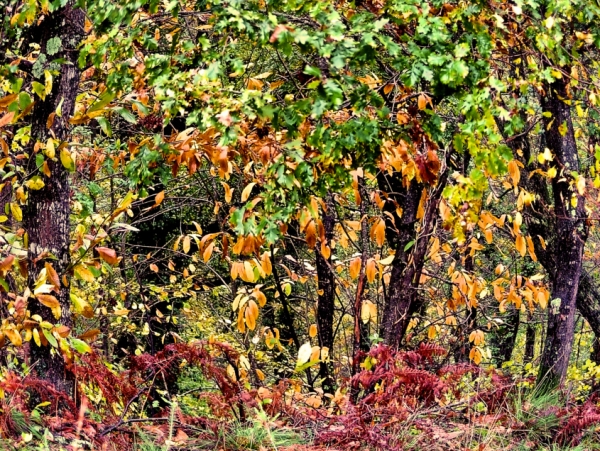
570 231
326 299
402 298
46 218
529 340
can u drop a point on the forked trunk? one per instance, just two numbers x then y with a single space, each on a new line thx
570 233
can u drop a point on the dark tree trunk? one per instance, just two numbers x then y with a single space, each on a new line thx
47 215
570 232
505 337
529 340
326 300
402 297
360 342
588 304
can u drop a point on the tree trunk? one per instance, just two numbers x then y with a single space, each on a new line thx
326 300
402 298
529 340
47 215
570 231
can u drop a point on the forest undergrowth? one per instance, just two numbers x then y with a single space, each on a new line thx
408 400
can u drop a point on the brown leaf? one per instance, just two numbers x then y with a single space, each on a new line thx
7 262
89 335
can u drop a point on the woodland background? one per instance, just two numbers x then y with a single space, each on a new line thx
314 224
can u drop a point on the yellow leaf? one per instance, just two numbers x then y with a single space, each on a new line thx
228 192
16 211
186 244
81 306
260 375
581 185
35 183
368 312
431 332
312 331
248 273
387 260
247 191
83 273
50 151
14 336
67 160
36 337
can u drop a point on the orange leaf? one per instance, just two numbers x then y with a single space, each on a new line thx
354 267
371 270
6 119
159 198
521 245
311 234
108 255
48 300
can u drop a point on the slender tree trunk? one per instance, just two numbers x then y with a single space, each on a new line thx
326 300
359 338
570 232
529 340
46 218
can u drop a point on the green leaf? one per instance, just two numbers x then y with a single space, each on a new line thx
102 101
409 245
104 126
80 346
126 114
50 337
39 89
